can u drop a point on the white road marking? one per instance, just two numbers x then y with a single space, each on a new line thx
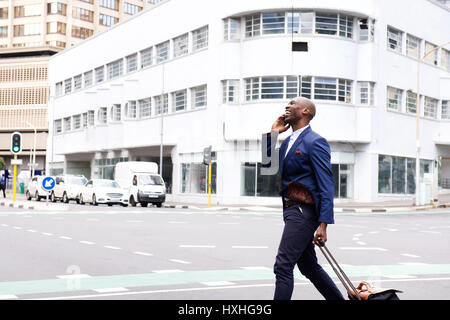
374 232
5 225
180 261
357 235
249 247
195 246
413 263
143 253
7 297
31 230
112 247
218 288
218 283
255 268
391 230
432 232
17 228
168 271
87 242
108 290
65 238
362 248
74 276
409 255
400 276
361 243
47 234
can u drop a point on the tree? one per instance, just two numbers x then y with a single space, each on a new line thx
2 164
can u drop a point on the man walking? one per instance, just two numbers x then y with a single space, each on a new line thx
3 184
307 192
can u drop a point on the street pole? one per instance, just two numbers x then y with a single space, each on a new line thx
32 151
14 178
209 185
162 125
418 119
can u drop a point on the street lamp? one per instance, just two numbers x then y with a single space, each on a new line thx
32 165
418 118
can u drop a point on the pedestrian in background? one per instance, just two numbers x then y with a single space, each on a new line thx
307 192
3 184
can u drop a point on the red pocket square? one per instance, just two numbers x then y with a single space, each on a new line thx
298 152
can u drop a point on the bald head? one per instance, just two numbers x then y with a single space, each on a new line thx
308 105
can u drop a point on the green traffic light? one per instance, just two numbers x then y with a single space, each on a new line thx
16 149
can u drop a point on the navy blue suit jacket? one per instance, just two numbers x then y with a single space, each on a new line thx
309 163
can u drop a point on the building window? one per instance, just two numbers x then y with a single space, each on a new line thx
343 180
82 33
102 115
232 29
58 126
179 100
145 108
345 26
194 178
91 118
161 101
68 85
254 184
430 108
230 90
251 89
67 124
57 8
413 46
366 29
432 58
4 13
292 88
200 38
272 87
131 63
77 82
131 110
146 57
394 98
345 91
4 32
115 69
27 29
411 102
180 45
85 120
306 87
366 93
58 89
394 39
27 11
445 113
106 20
131 8
162 52
253 25
116 112
199 96
76 122
273 22
99 74
326 23
110 4
88 79
83 14
445 59
324 89
56 27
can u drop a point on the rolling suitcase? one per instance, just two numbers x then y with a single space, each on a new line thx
364 291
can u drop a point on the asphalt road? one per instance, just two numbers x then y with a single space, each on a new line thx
152 253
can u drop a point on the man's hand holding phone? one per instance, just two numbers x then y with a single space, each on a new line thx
280 125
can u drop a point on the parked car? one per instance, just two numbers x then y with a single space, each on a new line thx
97 191
68 187
35 190
142 182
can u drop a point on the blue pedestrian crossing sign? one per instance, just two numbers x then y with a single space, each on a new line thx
48 183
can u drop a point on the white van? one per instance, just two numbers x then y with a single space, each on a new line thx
142 182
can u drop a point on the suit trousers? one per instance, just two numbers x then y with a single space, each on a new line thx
296 248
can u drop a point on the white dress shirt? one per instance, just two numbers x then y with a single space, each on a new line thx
294 137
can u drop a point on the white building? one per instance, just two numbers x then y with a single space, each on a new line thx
224 71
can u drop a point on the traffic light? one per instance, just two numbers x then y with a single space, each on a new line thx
207 155
16 142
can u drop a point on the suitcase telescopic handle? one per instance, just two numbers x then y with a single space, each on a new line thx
341 274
